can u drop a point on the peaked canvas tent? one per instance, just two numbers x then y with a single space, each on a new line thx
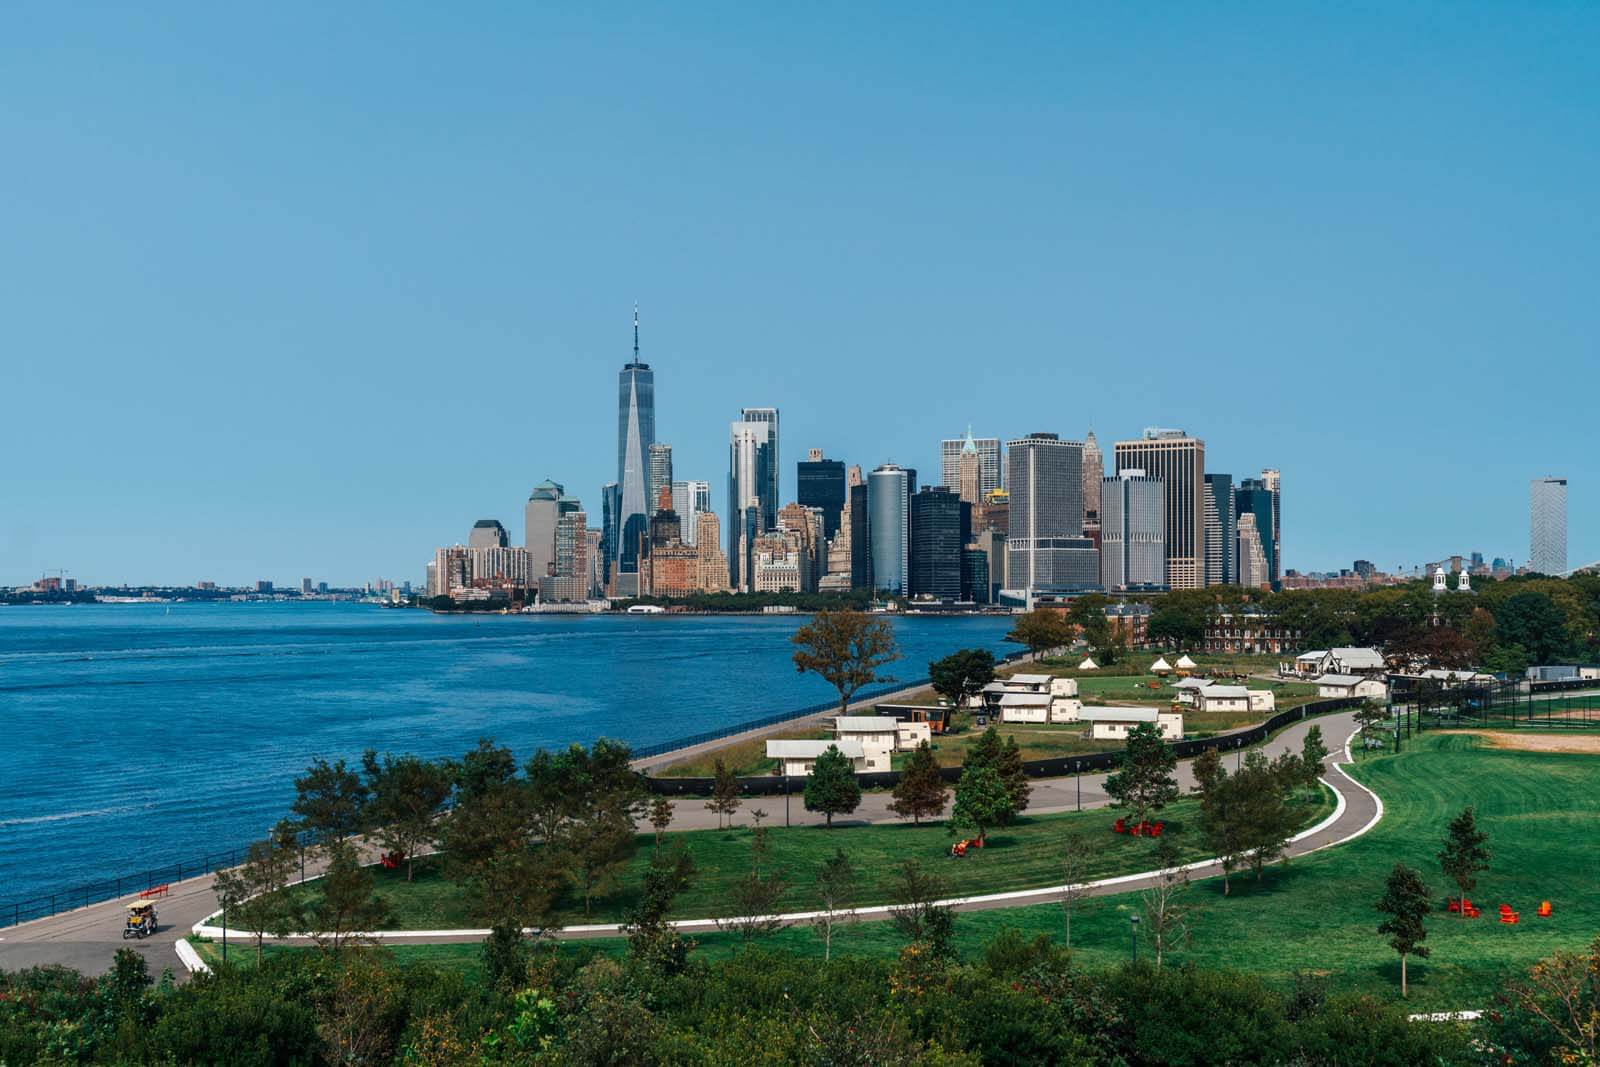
1161 666
1088 664
1186 663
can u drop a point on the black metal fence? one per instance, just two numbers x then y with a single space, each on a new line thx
1055 767
47 904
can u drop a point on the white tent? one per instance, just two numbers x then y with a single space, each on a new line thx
1088 664
1161 666
1185 663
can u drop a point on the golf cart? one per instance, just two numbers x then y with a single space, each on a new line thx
141 922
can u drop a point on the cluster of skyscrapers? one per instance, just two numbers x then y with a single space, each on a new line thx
1038 517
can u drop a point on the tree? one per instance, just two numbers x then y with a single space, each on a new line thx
651 938
1372 719
755 896
1222 821
1076 854
1166 917
407 795
724 793
1011 772
846 649
1312 753
832 787
917 913
982 801
1406 901
346 909
1261 793
960 676
1041 630
483 768
1533 622
1465 853
596 847
515 887
921 790
330 800
1561 996
660 817
253 894
836 887
1144 782
986 751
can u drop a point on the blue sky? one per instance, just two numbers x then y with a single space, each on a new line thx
307 290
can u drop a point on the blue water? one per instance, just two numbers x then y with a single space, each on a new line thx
135 735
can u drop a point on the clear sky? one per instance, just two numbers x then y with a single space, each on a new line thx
307 289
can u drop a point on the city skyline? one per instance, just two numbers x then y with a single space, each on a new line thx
237 271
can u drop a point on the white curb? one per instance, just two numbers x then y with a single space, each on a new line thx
191 959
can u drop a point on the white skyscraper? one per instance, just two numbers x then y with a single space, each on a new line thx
691 500
1547 552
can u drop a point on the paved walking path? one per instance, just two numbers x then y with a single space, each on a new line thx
87 939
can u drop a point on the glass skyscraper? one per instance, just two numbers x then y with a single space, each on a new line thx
820 483
889 510
1221 533
1547 513
636 432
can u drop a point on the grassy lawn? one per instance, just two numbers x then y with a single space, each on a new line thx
1021 856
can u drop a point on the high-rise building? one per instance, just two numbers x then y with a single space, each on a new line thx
1221 535
1255 498
539 525
1133 531
713 568
969 474
941 525
1045 548
1547 514
568 582
888 503
1094 472
860 533
752 450
636 432
691 499
770 493
1273 480
1180 462
610 534
594 540
305 587
660 472
1253 571
487 533
990 474
820 483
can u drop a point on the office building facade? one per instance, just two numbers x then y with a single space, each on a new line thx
941 524
660 473
860 537
889 509
820 483
1133 532
1547 526
1221 531
1046 551
636 432
487 533
1256 498
751 508
691 499
1094 473
990 472
1179 461
539 524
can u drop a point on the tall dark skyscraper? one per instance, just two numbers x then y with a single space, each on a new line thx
860 539
636 432
1254 497
821 484
752 487
1222 535
937 538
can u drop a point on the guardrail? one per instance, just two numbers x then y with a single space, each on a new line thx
46 904
1055 767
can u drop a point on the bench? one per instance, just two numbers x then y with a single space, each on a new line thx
154 891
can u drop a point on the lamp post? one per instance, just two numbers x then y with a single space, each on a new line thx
1133 923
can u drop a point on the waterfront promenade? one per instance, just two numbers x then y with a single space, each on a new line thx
88 938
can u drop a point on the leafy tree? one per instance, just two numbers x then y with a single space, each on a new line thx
483 824
836 888
651 938
1041 630
961 675
1222 816
660 817
505 957
1166 916
1179 618
1559 1002
596 847
483 768
1406 901
515 887
917 913
754 897
724 793
982 801
832 787
1532 621
846 649
330 800
1261 794
987 751
1312 753
253 894
407 795
1077 853
1145 781
1011 772
346 909
921 790
1465 852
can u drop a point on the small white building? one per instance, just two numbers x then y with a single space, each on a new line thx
878 736
1448 677
796 756
1263 700
1063 687
1031 683
1113 724
1341 686
1187 689
1222 698
1308 664
1364 662
1025 707
908 735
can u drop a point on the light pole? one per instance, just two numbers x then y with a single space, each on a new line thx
1133 923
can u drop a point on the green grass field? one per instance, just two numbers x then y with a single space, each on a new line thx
1022 856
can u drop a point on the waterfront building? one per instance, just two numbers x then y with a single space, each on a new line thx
1094 473
1133 531
486 533
570 577
940 528
660 459
1179 461
821 483
636 432
451 569
804 526
1547 522
1045 548
860 534
691 499
975 584
769 491
990 472
888 502
1256 497
1254 571
1221 530
992 543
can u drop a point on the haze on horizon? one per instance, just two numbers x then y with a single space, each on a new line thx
302 291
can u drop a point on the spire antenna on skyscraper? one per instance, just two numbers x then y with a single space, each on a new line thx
636 331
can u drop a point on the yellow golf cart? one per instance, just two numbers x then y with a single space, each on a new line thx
141 921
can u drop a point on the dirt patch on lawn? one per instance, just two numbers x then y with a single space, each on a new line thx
1581 744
